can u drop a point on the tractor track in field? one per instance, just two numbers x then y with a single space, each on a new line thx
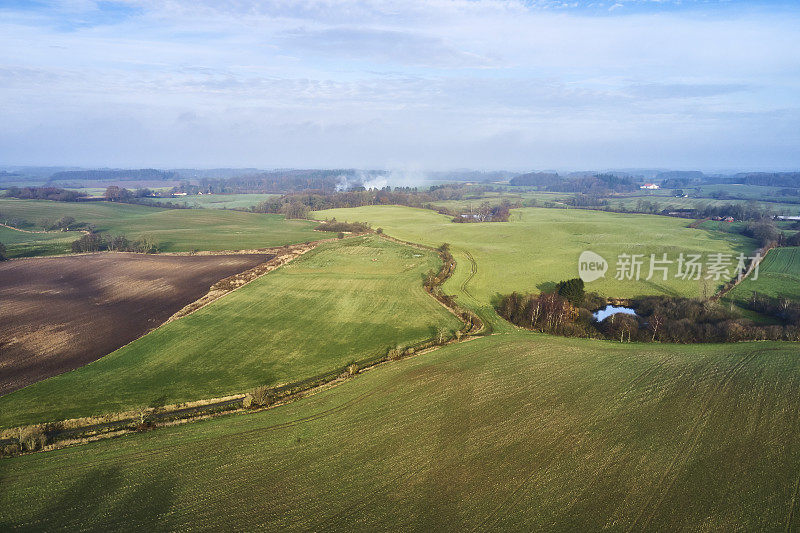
792 504
647 373
514 498
669 476
473 270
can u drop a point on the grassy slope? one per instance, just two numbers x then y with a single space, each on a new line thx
508 432
332 305
779 275
539 246
175 229
24 244
220 201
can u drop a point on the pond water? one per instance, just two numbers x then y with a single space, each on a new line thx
609 310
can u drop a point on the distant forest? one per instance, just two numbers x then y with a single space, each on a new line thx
142 174
587 184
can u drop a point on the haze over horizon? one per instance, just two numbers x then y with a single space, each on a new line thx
420 85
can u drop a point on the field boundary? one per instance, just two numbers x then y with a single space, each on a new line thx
231 283
476 325
89 429
45 232
735 282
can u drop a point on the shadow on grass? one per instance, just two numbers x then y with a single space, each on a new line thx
102 500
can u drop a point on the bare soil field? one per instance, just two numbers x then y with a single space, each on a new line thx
60 313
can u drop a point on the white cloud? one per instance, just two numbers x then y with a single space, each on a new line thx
429 84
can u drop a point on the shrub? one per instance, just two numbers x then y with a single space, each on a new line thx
263 396
3 256
10 449
352 369
394 353
32 438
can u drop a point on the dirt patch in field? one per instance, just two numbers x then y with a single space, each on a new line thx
60 313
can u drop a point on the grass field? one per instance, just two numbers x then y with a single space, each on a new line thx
508 432
25 244
220 201
541 246
175 229
779 275
343 301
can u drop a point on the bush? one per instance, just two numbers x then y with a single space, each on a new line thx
32 438
352 369
3 256
10 449
394 353
263 396
91 242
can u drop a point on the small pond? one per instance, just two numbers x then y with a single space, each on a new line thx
609 310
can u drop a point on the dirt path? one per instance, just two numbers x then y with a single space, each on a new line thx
42 231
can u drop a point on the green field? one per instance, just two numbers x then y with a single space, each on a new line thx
25 244
778 276
344 301
539 247
508 432
176 230
220 201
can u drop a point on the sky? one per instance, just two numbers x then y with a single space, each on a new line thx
411 85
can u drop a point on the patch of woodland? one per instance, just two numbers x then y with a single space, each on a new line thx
569 311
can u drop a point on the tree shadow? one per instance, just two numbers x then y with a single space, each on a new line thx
104 499
547 286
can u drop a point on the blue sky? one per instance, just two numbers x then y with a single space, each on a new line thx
417 85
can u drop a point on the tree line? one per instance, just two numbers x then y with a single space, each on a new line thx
591 184
299 205
568 311
348 227
44 193
97 242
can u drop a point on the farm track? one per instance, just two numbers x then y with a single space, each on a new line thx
792 505
685 451
472 272
516 495
40 232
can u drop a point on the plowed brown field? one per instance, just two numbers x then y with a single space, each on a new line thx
60 313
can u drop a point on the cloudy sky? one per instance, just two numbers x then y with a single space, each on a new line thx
422 84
